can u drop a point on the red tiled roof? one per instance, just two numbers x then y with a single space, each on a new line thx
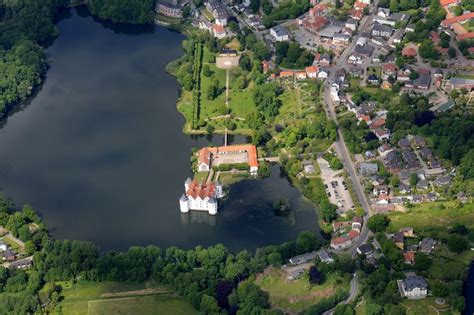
250 149
204 156
286 73
377 123
409 52
353 234
435 37
339 240
360 5
312 69
409 257
356 14
457 19
218 28
465 36
447 2
389 67
202 191
319 8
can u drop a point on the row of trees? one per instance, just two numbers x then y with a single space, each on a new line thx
197 83
125 11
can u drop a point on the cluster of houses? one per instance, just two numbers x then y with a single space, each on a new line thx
410 159
345 233
317 21
299 263
12 260
220 17
311 72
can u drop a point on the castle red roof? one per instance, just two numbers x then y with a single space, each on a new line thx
202 191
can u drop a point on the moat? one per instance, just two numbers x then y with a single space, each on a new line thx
99 150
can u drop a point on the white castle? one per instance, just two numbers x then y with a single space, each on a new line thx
200 196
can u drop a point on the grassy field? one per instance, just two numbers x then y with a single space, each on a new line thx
201 176
377 70
440 214
120 298
12 244
298 294
426 306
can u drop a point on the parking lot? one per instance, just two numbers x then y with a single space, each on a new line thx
336 188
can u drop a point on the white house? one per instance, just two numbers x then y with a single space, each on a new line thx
413 287
3 247
200 196
335 93
323 74
279 33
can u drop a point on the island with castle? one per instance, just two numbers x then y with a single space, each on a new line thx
204 195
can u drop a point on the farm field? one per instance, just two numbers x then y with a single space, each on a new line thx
438 214
119 298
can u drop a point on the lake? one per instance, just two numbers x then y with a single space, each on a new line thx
99 150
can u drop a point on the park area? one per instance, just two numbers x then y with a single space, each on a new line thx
213 111
299 294
95 298
436 214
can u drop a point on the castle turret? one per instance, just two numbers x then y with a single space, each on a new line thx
187 183
219 190
212 206
183 204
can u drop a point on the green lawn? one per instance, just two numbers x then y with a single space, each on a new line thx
425 306
201 176
298 294
433 214
151 304
374 70
119 298
12 244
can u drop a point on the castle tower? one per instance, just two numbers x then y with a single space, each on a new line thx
186 184
183 204
219 190
212 206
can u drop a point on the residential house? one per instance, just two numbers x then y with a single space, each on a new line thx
361 52
443 181
403 74
22 263
427 245
219 31
413 287
384 149
341 38
422 82
368 169
407 232
431 196
314 24
279 33
312 72
380 189
324 256
357 223
8 255
433 172
365 249
340 242
380 30
301 259
409 258
389 69
393 162
416 198
404 188
382 134
383 12
351 23
426 153
422 185
169 9
410 159
420 142
399 240
404 143
340 225
459 83
409 52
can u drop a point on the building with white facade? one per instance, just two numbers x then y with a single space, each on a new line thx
413 287
279 33
200 196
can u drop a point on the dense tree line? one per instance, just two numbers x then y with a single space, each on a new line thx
125 11
291 55
286 10
23 25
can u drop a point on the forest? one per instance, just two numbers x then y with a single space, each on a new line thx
124 11
24 25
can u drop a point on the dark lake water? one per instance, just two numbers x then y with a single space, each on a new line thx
469 292
100 154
